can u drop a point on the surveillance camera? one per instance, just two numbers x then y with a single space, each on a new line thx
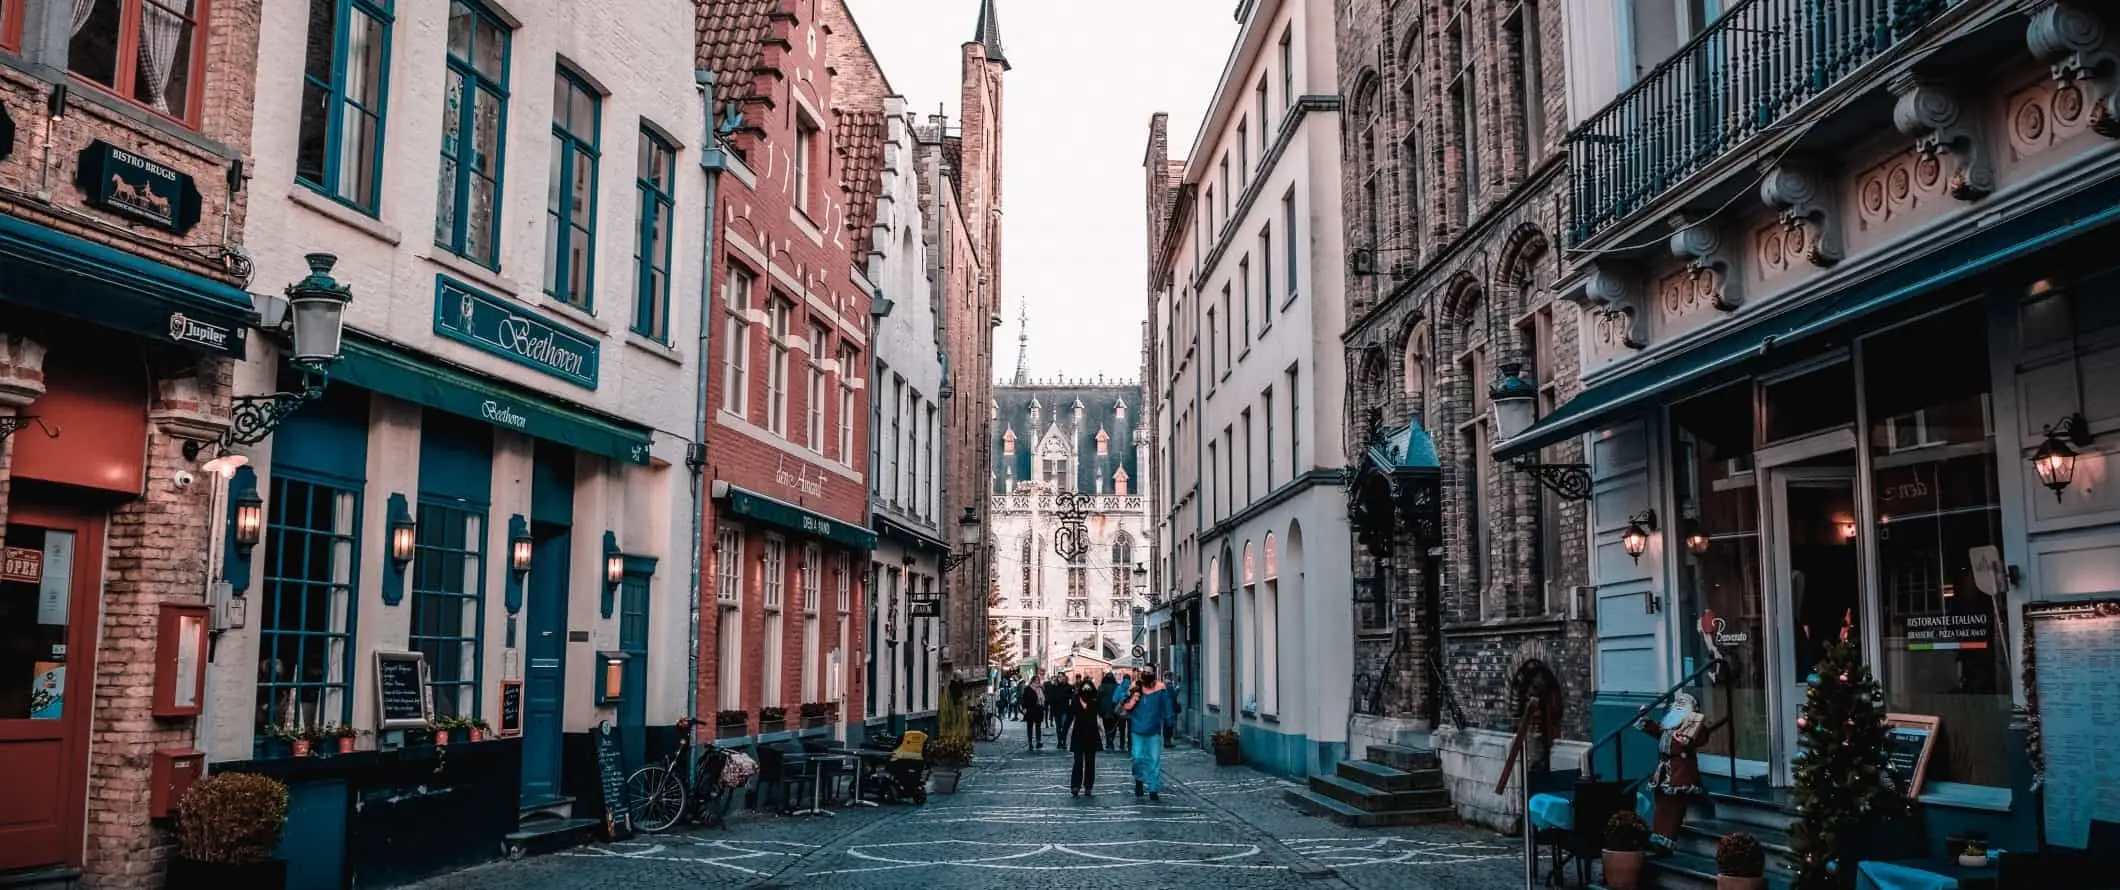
182 480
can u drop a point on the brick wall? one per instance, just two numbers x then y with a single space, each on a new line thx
1440 292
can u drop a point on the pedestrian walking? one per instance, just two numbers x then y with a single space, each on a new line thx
1057 695
1087 739
1149 711
1119 724
1033 716
1108 708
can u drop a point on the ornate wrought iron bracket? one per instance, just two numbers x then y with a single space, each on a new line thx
950 561
11 423
1071 539
1570 481
253 418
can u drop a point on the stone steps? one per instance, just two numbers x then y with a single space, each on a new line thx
1360 796
1347 814
1404 758
1379 776
1392 785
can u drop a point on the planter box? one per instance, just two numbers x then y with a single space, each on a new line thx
815 722
187 874
731 730
1228 755
944 780
773 726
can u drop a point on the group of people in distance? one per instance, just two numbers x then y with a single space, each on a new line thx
1088 717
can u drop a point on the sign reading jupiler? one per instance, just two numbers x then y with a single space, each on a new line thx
491 324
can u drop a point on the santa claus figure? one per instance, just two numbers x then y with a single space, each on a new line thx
1677 778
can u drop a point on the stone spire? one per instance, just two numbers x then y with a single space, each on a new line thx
1023 337
988 34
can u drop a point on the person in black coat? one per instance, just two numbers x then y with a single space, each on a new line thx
1033 704
1085 737
1058 695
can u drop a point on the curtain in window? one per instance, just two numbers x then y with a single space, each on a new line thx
81 11
161 30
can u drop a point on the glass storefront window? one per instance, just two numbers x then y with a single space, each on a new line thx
1938 539
1719 577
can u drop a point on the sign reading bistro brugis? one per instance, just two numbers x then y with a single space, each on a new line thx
489 323
136 187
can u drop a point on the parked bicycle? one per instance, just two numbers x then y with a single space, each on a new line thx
659 797
986 725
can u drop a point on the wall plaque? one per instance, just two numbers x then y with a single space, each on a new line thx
469 316
132 186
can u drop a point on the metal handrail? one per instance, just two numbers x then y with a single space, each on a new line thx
1619 754
1451 708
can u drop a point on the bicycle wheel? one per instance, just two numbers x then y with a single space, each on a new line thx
657 798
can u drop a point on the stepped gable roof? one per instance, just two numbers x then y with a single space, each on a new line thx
731 35
1109 406
859 136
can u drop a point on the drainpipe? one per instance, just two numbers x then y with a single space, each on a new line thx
713 162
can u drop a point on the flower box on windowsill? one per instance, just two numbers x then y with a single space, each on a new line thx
731 730
772 726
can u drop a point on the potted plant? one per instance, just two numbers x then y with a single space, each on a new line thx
279 741
731 724
1626 840
320 739
1740 863
441 727
1227 750
227 827
772 719
477 728
342 736
947 756
816 713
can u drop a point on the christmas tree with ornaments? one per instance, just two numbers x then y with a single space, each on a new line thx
1842 785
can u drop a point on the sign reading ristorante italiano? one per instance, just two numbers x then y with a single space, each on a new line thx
466 315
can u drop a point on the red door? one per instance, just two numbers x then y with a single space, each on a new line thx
50 587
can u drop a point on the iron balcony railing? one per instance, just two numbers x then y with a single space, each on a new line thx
1745 76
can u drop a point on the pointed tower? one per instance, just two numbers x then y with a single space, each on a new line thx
1023 343
988 34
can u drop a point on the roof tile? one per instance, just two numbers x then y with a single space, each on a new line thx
859 135
731 34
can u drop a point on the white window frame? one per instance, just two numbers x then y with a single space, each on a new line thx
736 290
815 434
778 309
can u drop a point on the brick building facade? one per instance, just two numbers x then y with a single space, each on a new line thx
1455 190
789 381
122 294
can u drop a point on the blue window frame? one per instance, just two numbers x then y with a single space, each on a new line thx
570 202
657 180
474 117
345 87
305 632
448 603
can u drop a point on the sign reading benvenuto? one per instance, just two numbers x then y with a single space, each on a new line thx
464 314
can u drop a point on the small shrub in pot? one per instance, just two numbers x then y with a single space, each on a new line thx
1626 840
1740 863
227 827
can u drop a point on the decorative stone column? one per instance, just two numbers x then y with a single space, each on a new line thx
21 382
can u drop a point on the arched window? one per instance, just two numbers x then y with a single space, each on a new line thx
1416 359
1268 634
1122 575
1123 552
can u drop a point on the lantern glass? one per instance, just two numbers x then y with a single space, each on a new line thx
1515 403
250 521
968 529
402 538
614 568
1698 543
519 553
1636 541
319 324
2055 462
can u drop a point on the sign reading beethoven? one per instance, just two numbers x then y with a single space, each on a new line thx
489 323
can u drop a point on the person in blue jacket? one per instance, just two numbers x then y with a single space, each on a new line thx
1115 695
1150 710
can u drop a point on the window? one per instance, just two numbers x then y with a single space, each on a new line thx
814 397
1465 102
147 51
812 658
934 470
1265 279
910 459
448 595
1244 152
305 634
570 202
1214 474
728 566
1223 208
468 191
1229 469
1258 109
805 161
774 578
1245 657
1244 282
656 178
339 147
1245 419
892 457
1266 411
878 448
1288 243
849 360
11 24
736 351
1370 109
777 312
1288 70
1473 435
1213 334
1229 351
1522 33
843 585
1269 633
1295 424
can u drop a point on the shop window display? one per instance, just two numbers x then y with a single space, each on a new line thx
1720 578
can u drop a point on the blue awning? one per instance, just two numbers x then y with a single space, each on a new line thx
63 274
374 366
1733 351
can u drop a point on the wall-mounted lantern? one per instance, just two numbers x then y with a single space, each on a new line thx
317 318
404 539
248 510
519 544
614 570
1636 537
2055 459
969 533
1697 543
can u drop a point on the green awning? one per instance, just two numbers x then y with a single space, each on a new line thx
1731 352
66 275
773 511
373 366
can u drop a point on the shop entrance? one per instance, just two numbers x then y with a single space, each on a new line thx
545 663
1816 576
50 586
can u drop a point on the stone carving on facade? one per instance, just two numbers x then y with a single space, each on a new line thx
1709 267
1932 114
1613 300
2069 36
21 370
184 406
1903 186
2043 115
1799 195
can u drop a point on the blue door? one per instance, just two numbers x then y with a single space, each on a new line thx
545 663
633 640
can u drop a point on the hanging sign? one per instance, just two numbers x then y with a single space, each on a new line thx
488 323
129 185
22 565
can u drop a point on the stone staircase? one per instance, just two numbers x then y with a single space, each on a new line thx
1691 865
1395 785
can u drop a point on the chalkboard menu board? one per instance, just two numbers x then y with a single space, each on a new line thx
401 690
611 775
1908 739
2075 655
511 708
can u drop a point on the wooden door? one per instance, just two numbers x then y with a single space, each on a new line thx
50 591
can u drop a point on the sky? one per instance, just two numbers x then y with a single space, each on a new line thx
1086 76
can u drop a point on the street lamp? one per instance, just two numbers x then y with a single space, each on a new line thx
317 316
1636 537
1515 402
969 533
2055 459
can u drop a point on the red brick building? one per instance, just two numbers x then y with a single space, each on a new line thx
123 308
787 532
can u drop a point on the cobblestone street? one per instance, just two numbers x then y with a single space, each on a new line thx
1013 824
